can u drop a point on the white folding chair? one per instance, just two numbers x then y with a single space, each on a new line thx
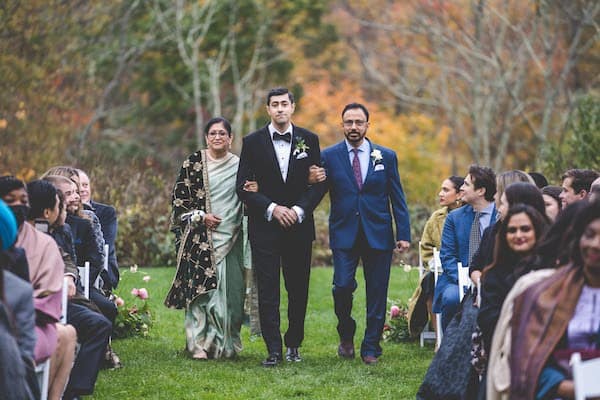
464 282
42 372
84 275
585 377
426 333
65 299
437 271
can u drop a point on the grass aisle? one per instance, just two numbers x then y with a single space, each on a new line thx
157 368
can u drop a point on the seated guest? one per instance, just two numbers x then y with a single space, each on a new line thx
461 237
539 179
86 248
519 233
595 190
484 254
576 185
108 222
54 340
552 201
449 199
93 329
76 208
17 294
546 317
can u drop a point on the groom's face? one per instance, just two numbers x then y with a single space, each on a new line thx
280 109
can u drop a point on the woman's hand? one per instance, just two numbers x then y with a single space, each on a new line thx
211 221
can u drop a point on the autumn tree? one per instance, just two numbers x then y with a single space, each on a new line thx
498 73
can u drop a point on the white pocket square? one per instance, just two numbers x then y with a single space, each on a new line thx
379 167
301 155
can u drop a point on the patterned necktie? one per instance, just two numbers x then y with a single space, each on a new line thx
474 237
356 169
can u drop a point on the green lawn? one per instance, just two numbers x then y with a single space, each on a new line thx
157 367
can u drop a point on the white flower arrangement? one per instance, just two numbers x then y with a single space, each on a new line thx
376 156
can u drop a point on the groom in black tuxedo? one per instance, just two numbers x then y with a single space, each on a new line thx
280 221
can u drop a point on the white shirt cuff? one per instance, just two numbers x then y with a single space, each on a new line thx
269 212
300 212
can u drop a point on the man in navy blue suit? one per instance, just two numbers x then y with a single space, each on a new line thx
458 243
363 182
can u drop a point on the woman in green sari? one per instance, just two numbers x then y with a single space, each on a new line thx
212 253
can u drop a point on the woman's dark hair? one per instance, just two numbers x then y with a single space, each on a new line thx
216 120
585 216
42 196
8 183
555 246
503 254
554 192
457 181
525 193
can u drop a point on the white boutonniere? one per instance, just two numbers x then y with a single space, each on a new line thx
376 157
300 151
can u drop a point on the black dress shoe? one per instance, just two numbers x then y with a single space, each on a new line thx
293 354
272 361
346 349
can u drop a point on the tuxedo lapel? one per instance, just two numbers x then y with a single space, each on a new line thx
292 163
268 144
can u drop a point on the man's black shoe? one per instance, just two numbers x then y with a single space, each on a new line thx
293 354
272 361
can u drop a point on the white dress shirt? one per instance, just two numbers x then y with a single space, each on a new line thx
282 152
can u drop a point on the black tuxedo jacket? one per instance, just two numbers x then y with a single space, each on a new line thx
258 162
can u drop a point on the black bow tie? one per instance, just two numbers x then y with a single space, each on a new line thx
286 136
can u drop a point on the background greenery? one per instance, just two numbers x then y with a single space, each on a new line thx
121 88
158 368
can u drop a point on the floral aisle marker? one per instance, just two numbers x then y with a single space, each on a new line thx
133 318
396 328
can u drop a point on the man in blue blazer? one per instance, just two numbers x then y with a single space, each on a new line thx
363 182
478 193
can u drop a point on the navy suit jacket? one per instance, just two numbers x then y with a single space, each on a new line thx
455 248
368 207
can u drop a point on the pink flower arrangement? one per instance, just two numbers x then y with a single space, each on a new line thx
394 311
142 293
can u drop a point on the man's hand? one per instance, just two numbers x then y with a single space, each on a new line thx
285 216
316 174
71 289
211 221
402 245
251 186
475 276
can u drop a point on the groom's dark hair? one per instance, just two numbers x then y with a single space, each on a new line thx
278 91
352 106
